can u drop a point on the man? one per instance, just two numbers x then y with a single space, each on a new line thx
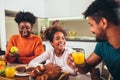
104 22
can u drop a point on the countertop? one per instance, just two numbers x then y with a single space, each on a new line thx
82 40
79 40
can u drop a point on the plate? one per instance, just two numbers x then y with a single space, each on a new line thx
21 74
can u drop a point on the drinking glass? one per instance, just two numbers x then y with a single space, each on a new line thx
79 56
10 71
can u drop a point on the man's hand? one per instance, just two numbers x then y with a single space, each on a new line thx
71 63
83 69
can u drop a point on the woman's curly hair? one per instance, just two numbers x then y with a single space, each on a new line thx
50 32
25 16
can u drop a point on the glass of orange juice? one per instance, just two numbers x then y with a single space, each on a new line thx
10 71
79 56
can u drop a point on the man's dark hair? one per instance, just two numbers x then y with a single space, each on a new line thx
104 9
25 16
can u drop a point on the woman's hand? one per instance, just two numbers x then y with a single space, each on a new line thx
13 54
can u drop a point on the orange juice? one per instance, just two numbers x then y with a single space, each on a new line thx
78 57
10 72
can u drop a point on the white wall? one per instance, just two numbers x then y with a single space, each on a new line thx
12 5
49 8
57 8
11 27
37 7
77 7
65 8
2 26
41 8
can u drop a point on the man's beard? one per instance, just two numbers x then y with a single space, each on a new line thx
102 37
100 40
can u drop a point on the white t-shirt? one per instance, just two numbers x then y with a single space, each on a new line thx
50 55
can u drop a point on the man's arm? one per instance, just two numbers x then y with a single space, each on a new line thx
92 61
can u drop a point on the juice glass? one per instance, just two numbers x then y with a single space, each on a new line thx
79 56
10 71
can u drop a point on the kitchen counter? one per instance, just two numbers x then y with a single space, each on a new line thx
81 40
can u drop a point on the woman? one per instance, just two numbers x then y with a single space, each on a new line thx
59 53
29 46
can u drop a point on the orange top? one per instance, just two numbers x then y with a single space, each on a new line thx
28 48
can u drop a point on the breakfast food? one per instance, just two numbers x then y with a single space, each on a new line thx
38 71
42 77
14 50
20 69
29 70
24 69
2 67
48 72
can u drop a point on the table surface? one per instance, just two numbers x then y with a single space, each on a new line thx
15 78
78 77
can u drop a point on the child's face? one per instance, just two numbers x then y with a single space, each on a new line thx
59 41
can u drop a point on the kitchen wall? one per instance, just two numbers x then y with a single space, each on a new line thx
65 8
41 8
2 26
12 27
80 26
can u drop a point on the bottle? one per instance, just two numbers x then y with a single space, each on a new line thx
41 33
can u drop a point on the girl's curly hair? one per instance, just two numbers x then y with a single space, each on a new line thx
50 32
